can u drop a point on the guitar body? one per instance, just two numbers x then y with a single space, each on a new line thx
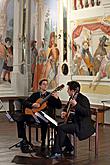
42 102
29 111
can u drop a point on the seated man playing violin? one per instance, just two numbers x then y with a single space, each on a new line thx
81 124
32 105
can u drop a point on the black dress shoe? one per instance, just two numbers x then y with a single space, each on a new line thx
56 156
69 151
25 147
26 150
9 81
4 79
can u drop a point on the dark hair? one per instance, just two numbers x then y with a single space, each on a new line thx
33 42
7 39
74 85
40 82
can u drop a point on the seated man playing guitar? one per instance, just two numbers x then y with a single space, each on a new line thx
41 100
78 110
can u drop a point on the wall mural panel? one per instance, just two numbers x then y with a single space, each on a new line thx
6 41
91 49
47 56
47 63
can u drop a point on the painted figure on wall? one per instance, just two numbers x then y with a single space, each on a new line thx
104 67
8 63
87 57
34 54
79 66
85 52
52 43
93 44
79 4
6 37
47 63
40 65
104 71
96 55
51 69
2 55
100 53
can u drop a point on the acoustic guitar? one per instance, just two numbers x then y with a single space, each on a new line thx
69 105
42 102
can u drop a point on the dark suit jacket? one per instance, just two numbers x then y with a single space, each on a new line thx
84 127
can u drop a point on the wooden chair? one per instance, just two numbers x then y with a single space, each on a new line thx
50 133
30 126
94 112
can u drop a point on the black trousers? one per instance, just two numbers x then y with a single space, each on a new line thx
21 125
61 138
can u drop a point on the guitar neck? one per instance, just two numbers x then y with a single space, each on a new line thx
55 90
45 99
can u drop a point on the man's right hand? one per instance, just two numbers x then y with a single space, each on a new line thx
35 105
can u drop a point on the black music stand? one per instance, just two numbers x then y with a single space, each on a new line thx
16 145
7 113
19 144
9 117
17 116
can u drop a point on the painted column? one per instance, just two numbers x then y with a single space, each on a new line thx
27 43
60 33
3 7
69 35
19 84
60 30
36 21
40 21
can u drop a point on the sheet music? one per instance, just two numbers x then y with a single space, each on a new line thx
49 118
41 117
36 119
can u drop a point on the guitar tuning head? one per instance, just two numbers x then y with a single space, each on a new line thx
60 87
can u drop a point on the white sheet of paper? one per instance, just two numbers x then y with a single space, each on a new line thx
49 118
41 117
